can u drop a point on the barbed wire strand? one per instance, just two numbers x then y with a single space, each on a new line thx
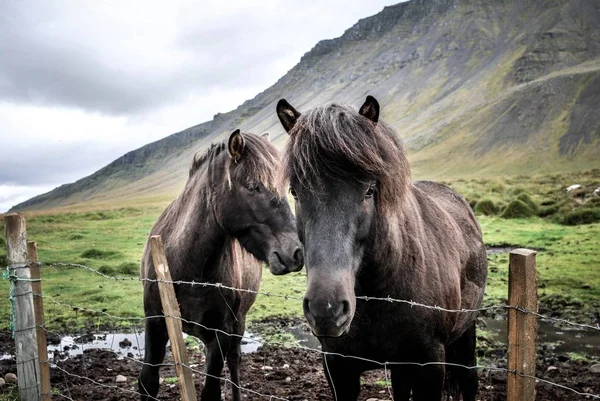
359 297
190 367
96 383
382 364
365 298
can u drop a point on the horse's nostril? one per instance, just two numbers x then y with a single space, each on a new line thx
298 256
305 305
345 308
278 257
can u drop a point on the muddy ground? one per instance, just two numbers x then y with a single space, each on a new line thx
289 373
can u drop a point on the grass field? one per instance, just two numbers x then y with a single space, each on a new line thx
112 241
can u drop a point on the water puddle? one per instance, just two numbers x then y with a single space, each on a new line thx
493 250
304 337
561 339
130 345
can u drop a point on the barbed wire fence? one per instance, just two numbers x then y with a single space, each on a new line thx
59 369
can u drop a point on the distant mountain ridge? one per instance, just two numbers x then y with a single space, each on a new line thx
474 87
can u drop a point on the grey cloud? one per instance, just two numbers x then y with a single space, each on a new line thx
53 164
37 70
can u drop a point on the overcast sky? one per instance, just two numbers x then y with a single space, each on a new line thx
83 82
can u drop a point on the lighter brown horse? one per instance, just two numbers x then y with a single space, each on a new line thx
369 231
230 217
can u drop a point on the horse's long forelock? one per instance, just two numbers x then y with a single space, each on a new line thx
332 139
260 160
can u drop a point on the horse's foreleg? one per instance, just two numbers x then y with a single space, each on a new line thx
429 380
343 377
234 358
216 353
401 382
154 354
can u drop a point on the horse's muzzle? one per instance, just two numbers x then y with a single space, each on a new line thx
328 318
287 259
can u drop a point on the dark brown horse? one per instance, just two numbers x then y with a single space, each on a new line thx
229 217
369 231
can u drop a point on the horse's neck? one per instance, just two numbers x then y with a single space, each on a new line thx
395 248
197 242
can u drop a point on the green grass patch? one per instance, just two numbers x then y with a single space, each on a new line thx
112 241
581 216
99 254
516 209
486 207
129 268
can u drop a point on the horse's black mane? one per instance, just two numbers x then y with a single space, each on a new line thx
335 140
214 150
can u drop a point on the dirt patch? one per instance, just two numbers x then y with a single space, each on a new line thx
290 373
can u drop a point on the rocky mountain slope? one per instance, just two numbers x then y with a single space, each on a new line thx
474 87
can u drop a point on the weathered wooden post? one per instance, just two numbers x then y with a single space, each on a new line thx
38 306
172 314
522 327
28 368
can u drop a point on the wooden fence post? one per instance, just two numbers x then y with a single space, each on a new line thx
28 368
170 308
38 307
522 327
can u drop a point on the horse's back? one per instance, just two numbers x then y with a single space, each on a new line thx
456 206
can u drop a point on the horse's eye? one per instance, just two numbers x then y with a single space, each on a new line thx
370 191
293 192
253 187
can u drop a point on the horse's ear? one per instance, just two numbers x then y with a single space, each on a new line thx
265 135
236 145
370 109
287 115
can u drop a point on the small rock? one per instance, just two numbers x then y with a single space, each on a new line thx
161 380
130 355
121 379
2 382
10 378
288 379
551 369
267 367
595 368
286 366
125 343
372 399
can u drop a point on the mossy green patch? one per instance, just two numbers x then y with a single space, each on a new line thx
486 207
98 254
516 209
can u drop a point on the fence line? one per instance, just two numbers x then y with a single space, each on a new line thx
384 365
359 297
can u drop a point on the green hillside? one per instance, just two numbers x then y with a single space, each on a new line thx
474 87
